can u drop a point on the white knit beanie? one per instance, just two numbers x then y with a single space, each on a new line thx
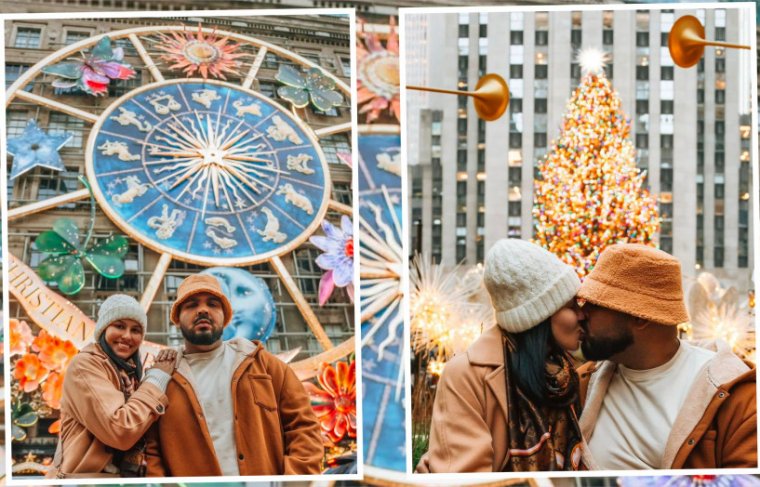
527 284
119 307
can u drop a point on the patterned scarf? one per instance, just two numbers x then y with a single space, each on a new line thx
544 437
131 463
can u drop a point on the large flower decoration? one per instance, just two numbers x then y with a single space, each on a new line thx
334 402
206 54
691 481
337 259
52 390
94 72
21 337
54 353
29 372
313 85
378 74
64 265
35 148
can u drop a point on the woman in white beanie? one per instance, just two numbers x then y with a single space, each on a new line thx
107 404
511 402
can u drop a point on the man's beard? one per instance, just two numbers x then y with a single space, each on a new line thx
203 337
604 348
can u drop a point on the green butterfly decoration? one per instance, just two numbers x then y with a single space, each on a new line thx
312 85
64 244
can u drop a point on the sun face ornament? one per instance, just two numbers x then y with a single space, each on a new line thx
205 54
378 74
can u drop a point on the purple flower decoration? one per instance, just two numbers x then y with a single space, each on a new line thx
691 481
337 259
94 71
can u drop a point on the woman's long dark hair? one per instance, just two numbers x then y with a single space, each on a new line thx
527 359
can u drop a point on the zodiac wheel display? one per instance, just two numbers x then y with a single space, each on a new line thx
208 172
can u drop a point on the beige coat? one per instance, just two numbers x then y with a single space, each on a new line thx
276 431
717 425
95 417
469 428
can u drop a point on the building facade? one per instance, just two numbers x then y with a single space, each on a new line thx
471 182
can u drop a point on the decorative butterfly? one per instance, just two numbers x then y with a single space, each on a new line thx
94 71
301 87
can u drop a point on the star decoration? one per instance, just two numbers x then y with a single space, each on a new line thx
35 148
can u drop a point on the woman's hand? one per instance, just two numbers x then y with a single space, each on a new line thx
166 360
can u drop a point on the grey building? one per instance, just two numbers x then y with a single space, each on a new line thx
471 182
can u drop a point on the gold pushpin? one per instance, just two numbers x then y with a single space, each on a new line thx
687 41
491 96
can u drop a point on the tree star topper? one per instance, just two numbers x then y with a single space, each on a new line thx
592 60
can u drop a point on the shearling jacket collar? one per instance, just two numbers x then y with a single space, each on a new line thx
720 373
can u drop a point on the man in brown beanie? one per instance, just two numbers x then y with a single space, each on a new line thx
653 401
234 408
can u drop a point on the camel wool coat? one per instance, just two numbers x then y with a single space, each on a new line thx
95 417
469 429
276 431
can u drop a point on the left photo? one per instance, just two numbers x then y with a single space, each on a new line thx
180 245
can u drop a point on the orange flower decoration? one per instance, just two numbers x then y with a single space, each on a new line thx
52 390
377 74
29 372
205 54
335 402
54 429
55 353
20 336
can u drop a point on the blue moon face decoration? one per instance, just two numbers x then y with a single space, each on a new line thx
208 172
254 314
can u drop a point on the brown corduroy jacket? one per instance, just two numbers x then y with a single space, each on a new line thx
276 431
717 425
95 417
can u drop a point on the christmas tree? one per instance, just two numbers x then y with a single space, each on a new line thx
590 194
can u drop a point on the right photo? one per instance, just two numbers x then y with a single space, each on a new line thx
581 215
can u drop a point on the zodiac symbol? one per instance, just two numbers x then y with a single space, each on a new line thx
389 163
218 221
127 117
295 199
221 225
298 163
110 148
134 189
271 231
206 97
253 108
164 109
223 242
280 131
165 225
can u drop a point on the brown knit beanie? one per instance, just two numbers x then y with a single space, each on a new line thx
637 280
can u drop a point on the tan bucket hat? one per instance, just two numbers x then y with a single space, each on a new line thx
200 283
637 280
